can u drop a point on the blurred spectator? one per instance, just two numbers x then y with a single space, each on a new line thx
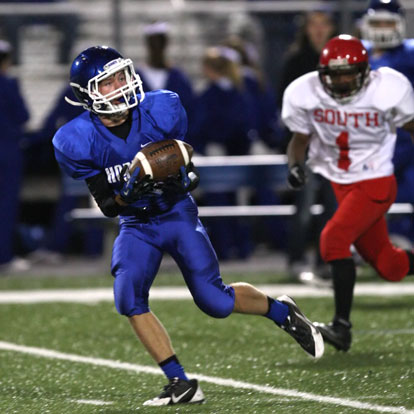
383 33
39 156
158 72
61 232
263 110
279 29
220 126
316 28
66 23
221 118
13 116
265 134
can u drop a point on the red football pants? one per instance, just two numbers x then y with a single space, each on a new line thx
360 220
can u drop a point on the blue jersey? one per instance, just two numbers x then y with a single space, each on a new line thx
61 113
177 82
84 147
400 58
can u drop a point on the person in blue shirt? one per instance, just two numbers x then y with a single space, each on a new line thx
40 159
263 106
158 72
383 34
221 114
39 156
155 217
264 133
222 121
13 115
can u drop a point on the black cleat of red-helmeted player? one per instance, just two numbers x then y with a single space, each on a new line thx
337 333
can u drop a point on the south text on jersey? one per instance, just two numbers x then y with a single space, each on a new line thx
343 118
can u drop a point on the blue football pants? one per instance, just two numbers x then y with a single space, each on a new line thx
138 252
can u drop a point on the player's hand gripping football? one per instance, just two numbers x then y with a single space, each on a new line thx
135 188
297 177
187 180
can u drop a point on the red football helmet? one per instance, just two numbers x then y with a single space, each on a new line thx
343 67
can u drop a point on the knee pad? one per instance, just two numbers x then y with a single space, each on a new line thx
215 302
334 243
126 302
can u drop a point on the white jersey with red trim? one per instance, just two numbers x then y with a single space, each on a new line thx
353 141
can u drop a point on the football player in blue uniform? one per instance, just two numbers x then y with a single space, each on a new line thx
383 33
97 146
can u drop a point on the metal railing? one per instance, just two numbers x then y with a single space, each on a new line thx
226 173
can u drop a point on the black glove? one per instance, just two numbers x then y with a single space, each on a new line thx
297 177
135 188
187 180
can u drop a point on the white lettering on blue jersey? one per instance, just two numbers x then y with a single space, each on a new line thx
113 173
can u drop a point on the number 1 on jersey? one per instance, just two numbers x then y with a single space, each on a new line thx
343 143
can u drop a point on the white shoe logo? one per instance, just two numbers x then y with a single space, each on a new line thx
144 145
176 400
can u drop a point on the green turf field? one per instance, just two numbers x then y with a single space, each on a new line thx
276 376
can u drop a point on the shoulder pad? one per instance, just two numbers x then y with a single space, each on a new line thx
164 108
74 138
392 77
409 44
303 91
392 87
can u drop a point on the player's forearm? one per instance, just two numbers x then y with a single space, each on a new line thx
104 196
296 150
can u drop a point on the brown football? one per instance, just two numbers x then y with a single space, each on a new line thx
162 158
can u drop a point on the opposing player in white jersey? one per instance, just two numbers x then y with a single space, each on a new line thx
344 118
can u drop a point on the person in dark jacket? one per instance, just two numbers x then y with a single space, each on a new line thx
317 27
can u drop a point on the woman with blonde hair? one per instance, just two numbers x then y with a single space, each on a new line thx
220 126
222 62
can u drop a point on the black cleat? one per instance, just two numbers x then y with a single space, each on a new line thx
337 333
178 391
302 329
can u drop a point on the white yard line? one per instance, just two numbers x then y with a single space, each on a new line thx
178 293
92 402
226 382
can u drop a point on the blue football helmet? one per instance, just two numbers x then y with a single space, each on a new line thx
384 24
94 65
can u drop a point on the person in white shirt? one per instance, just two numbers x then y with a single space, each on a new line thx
344 118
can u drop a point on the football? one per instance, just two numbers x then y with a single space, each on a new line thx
162 159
